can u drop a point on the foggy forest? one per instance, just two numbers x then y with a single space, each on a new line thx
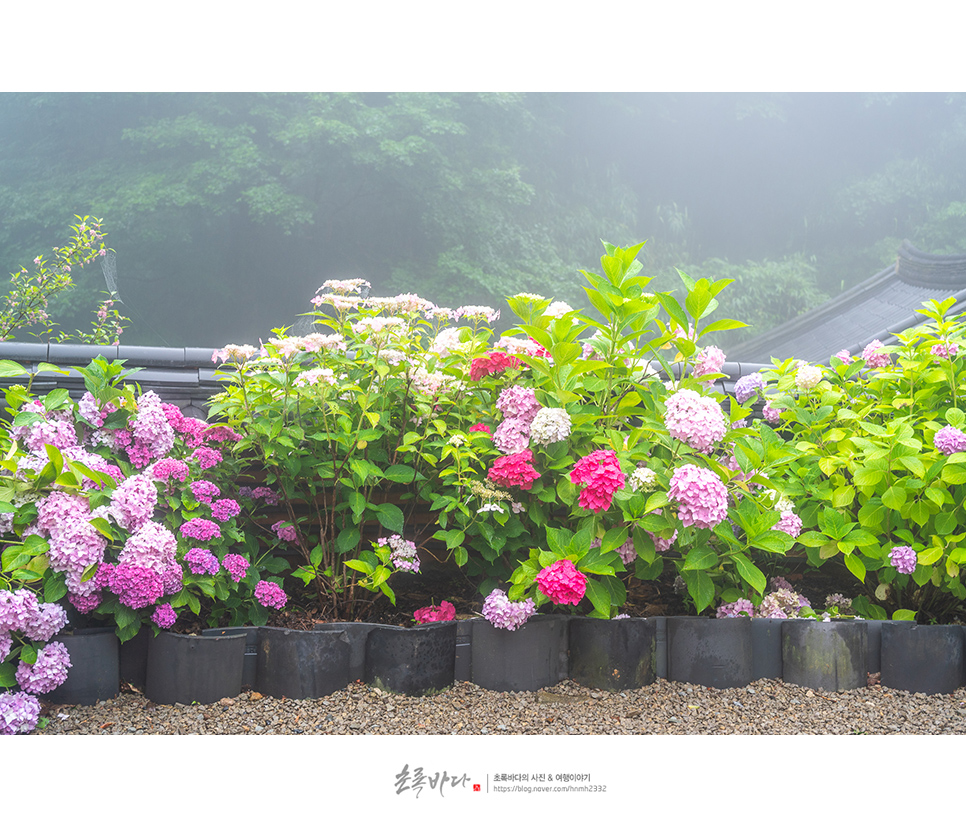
226 211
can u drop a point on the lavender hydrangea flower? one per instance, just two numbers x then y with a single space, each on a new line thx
47 673
738 608
19 713
748 386
164 616
404 555
903 559
502 613
949 440
134 501
202 561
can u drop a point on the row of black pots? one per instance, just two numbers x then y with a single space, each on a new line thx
606 654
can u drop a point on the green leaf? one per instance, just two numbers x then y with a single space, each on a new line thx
11 368
8 675
855 565
599 597
347 539
400 473
903 614
749 572
390 517
700 587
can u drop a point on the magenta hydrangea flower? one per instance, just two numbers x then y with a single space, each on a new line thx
224 509
949 440
19 713
266 494
695 420
500 612
702 497
270 595
875 357
206 458
47 673
164 616
285 530
205 491
221 434
562 583
169 469
237 566
903 559
600 473
202 561
201 529
444 612
85 603
136 586
738 608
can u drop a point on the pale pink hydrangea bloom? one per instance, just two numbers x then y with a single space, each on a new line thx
789 523
807 377
874 356
695 420
709 361
702 497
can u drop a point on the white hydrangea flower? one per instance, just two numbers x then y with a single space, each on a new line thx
550 425
643 479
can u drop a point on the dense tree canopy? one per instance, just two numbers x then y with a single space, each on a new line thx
228 210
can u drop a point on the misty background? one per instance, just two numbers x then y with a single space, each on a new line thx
228 210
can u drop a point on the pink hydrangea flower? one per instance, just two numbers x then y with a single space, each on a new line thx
702 497
518 401
205 491
601 474
514 470
443 612
494 363
944 350
709 360
903 559
845 356
771 414
562 583
512 436
874 357
46 673
696 420
224 509
789 523
738 608
949 440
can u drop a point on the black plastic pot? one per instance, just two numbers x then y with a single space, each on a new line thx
922 658
411 661
356 634
710 652
873 637
532 657
613 654
830 656
464 650
766 648
94 674
133 659
185 669
250 663
301 664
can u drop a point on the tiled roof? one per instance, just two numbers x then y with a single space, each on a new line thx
878 308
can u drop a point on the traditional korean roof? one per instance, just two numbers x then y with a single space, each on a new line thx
878 308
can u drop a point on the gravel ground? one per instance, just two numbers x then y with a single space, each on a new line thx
766 707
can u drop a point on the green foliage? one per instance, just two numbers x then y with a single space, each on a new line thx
868 475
